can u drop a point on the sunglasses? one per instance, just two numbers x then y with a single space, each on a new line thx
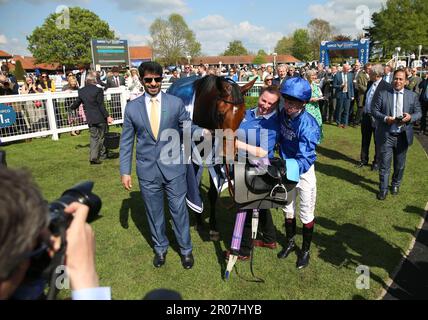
150 80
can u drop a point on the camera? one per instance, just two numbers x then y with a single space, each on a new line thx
81 193
43 270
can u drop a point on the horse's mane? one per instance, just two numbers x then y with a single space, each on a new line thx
208 89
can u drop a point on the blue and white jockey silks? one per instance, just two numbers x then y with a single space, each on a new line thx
299 138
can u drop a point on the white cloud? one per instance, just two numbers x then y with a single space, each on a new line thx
154 7
215 32
3 39
348 16
137 39
142 21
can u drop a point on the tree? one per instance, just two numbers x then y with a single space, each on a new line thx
52 42
284 45
173 40
261 52
399 25
341 37
235 48
19 71
259 59
301 45
319 30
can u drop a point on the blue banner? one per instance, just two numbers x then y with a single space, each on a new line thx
7 116
363 47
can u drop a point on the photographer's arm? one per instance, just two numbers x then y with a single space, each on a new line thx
80 257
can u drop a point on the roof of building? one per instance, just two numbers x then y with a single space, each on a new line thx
29 63
4 54
140 52
248 59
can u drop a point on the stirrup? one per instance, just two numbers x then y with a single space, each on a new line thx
273 192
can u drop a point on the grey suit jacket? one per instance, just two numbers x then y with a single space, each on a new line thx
384 106
166 155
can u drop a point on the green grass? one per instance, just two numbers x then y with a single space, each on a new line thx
352 229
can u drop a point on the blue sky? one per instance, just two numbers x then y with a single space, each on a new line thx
258 23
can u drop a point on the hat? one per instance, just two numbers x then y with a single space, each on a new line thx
297 88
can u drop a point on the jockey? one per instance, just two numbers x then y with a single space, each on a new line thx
299 135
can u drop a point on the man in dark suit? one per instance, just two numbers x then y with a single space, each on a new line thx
81 76
368 124
97 116
116 80
423 88
151 118
395 111
282 75
343 83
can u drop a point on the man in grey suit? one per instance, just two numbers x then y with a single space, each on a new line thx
344 85
149 118
395 111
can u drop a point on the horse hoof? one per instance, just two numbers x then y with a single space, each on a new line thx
214 235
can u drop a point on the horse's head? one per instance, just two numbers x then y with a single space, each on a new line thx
230 103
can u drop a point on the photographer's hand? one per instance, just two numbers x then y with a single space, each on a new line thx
80 254
127 182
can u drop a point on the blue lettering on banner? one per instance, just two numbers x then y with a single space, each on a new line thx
7 116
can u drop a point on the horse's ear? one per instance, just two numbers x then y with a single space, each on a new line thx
248 86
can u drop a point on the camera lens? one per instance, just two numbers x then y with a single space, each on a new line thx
81 193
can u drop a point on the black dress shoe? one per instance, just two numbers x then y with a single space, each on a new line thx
382 195
395 190
302 260
159 259
95 162
290 246
187 261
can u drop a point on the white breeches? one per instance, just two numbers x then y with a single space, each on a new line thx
307 191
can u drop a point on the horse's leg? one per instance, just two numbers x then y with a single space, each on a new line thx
213 195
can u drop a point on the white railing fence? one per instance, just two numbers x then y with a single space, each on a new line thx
48 114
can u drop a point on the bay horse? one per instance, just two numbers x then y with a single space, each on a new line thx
218 104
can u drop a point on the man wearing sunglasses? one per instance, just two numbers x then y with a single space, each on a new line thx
187 72
24 235
149 118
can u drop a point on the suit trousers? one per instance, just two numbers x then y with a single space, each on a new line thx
266 228
153 195
332 109
97 148
395 147
342 110
367 131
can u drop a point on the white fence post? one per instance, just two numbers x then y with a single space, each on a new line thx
51 116
123 103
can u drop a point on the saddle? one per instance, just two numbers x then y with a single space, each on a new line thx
262 187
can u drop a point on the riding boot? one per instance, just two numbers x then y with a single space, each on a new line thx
303 259
290 232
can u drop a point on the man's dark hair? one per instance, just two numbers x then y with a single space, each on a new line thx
151 67
400 70
23 215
